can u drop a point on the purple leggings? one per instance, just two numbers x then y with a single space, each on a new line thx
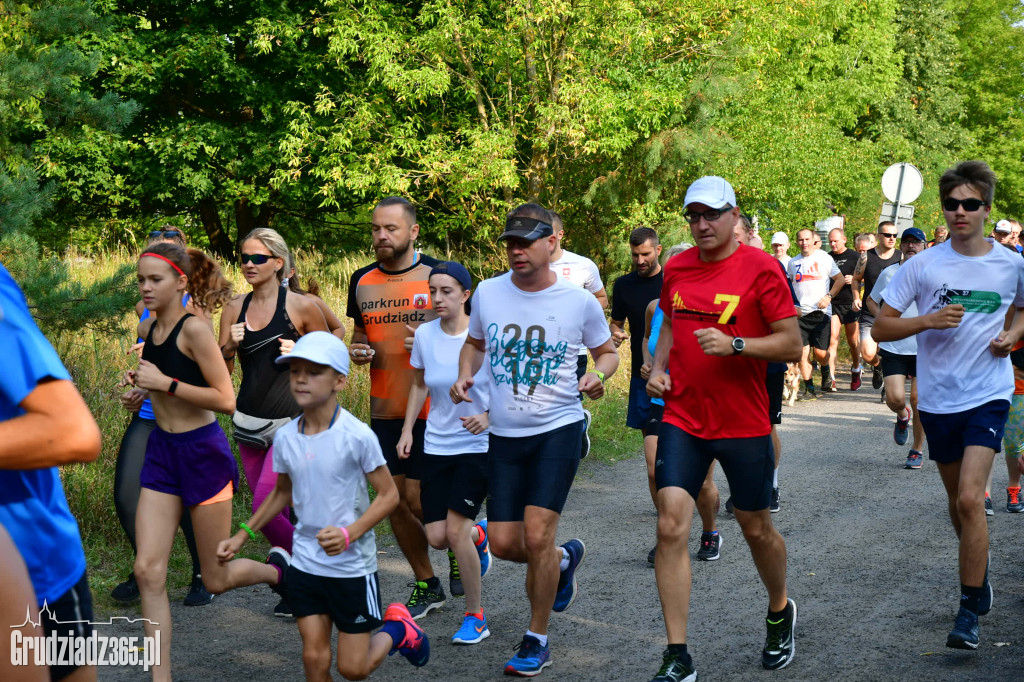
259 473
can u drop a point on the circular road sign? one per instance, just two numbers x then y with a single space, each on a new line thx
909 189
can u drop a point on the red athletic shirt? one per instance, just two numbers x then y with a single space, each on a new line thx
721 397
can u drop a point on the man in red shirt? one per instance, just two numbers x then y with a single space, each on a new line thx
731 313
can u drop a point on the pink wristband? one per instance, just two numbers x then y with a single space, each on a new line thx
348 541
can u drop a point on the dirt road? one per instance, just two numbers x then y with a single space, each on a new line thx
872 567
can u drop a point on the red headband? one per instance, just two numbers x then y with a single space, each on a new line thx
166 260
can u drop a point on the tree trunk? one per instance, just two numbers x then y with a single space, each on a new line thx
220 241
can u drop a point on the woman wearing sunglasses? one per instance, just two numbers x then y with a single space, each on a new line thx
258 328
132 453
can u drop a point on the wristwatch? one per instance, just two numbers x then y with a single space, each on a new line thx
738 345
174 386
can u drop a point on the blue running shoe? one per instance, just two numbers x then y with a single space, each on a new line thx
414 645
901 432
965 631
567 586
531 658
473 630
484 548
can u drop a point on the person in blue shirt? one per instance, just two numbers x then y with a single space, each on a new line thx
44 423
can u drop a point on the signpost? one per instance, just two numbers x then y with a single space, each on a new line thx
901 184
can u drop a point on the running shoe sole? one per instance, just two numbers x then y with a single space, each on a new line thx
416 645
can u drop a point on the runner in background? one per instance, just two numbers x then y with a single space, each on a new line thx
844 317
454 482
869 267
387 300
334 323
582 272
259 327
630 295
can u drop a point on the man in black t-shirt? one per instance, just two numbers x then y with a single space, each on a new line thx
843 314
869 267
630 296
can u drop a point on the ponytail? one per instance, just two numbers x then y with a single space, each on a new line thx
207 285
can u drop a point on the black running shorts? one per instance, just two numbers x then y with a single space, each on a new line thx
455 482
389 432
352 603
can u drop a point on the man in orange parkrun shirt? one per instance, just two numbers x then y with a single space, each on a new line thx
387 300
731 313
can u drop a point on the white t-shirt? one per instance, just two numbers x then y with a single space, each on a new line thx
328 472
437 354
907 346
532 340
579 270
956 371
812 279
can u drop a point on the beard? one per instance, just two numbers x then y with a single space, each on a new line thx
396 252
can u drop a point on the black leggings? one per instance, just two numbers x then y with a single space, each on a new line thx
127 488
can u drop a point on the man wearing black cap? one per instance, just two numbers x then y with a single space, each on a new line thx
529 324
899 358
728 312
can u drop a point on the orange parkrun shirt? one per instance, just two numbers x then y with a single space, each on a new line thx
382 302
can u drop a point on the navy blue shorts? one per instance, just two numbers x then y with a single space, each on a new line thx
949 434
389 432
639 404
194 465
535 471
683 461
654 417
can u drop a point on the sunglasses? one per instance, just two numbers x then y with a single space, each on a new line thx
710 215
165 234
970 205
890 235
255 258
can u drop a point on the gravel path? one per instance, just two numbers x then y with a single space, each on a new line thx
872 567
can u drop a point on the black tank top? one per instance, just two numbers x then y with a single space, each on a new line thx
873 268
170 360
265 390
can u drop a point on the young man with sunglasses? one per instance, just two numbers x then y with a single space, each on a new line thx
869 267
728 312
963 292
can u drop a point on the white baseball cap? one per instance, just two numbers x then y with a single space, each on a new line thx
712 191
322 348
780 238
1004 226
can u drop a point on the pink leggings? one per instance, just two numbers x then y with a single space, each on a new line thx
259 474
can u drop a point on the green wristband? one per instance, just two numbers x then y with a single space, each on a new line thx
248 530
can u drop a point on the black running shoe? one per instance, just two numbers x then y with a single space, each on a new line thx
423 599
127 592
283 609
280 558
989 510
773 506
651 554
197 593
675 669
779 645
454 576
965 631
877 377
710 547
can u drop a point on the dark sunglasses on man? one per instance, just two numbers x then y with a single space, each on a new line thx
970 205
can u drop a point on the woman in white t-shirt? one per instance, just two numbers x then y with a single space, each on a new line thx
454 478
